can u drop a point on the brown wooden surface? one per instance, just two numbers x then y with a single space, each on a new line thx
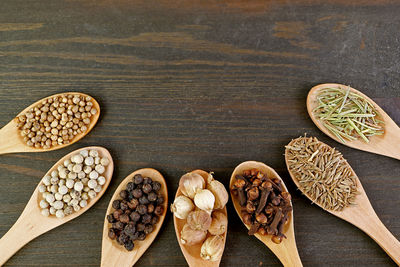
199 84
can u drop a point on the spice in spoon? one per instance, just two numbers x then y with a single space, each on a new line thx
348 115
322 173
265 205
56 120
137 211
73 184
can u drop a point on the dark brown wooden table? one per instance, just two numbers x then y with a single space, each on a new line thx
199 84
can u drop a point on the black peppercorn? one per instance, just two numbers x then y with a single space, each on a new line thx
146 188
115 204
150 208
146 218
137 193
152 196
142 209
118 226
123 194
140 227
147 180
133 203
128 212
111 234
129 245
156 186
130 186
129 229
160 200
141 236
138 179
154 220
117 213
123 238
134 236
159 210
135 216
110 218
124 218
148 229
144 200
124 205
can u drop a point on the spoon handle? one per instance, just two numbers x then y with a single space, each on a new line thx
22 232
378 232
10 139
289 257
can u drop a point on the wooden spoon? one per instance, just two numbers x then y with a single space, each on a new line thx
192 253
12 142
387 144
363 216
286 251
32 223
115 255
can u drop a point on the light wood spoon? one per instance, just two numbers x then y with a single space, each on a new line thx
32 223
12 142
363 216
192 253
286 251
387 144
115 255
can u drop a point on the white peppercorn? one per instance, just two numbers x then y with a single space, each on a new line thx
104 161
42 188
43 204
85 196
89 161
58 196
74 202
54 180
58 205
78 158
84 153
77 168
92 194
81 175
93 153
97 160
100 169
46 180
78 186
52 211
63 190
70 183
72 175
83 203
68 210
77 207
63 173
45 212
86 189
93 175
97 189
66 198
54 173
101 180
54 188
87 169
50 198
92 184
60 214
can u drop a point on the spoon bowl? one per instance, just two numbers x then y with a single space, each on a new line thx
387 144
32 223
12 142
361 215
286 251
112 253
192 253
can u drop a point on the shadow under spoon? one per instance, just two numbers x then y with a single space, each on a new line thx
286 251
12 141
32 223
115 255
361 215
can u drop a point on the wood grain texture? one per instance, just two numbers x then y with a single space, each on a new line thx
199 84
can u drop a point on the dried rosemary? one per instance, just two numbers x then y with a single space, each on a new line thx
322 172
348 115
